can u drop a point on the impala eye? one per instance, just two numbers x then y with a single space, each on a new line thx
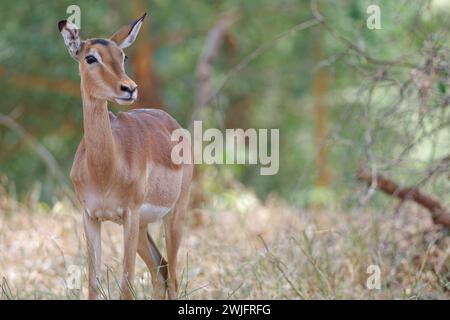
91 59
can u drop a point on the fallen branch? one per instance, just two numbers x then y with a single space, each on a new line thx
439 213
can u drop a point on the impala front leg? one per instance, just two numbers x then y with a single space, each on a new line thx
131 236
92 231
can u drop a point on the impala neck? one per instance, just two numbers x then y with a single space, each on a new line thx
98 138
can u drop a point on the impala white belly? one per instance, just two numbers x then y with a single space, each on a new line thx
152 213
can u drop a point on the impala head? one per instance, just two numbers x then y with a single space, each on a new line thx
101 61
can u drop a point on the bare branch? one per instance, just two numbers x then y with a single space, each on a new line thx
36 81
260 50
205 63
41 151
439 213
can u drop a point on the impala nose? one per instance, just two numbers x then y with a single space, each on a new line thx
128 89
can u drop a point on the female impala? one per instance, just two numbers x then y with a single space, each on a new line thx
122 169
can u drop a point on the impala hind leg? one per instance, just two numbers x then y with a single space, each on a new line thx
155 262
173 227
92 232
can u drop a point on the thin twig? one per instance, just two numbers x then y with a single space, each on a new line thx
278 263
260 50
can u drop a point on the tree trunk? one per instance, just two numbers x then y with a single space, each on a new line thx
149 86
320 89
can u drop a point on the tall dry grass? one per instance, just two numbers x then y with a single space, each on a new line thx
247 250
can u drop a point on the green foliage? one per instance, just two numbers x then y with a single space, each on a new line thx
274 91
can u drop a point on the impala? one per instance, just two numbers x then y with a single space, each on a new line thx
122 171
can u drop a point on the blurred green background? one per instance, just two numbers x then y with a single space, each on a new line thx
342 97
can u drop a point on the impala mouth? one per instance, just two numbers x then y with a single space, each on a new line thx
127 100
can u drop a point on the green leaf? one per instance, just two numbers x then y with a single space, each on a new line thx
442 88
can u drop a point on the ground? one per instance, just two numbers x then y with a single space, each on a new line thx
248 250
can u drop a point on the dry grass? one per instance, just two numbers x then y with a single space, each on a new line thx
242 251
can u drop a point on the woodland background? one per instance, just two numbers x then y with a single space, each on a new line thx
364 123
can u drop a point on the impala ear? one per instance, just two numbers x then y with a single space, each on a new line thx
71 36
127 34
